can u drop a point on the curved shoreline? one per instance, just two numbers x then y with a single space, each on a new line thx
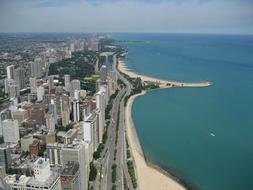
149 176
122 67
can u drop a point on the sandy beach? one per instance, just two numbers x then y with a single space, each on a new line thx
122 67
148 177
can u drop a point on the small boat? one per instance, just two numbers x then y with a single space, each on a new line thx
213 135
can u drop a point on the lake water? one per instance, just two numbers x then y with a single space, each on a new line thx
202 135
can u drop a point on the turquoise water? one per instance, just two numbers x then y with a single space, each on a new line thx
202 135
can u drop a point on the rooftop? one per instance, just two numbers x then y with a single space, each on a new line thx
49 182
70 168
70 132
21 179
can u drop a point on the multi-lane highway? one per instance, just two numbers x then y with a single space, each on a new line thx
104 179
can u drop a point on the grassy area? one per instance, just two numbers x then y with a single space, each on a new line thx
125 183
115 154
130 166
89 85
96 154
79 66
128 154
114 172
93 172
137 84
114 187
109 106
131 172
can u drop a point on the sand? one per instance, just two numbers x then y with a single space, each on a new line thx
148 177
122 67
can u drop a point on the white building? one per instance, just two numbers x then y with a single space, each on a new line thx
11 88
10 72
105 89
54 152
103 73
100 105
37 68
42 169
91 131
44 178
88 140
10 131
75 85
17 182
82 93
33 84
76 110
40 93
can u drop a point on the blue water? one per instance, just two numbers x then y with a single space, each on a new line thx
176 126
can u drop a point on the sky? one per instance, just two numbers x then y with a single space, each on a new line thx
175 16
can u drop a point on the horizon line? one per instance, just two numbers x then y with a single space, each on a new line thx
132 32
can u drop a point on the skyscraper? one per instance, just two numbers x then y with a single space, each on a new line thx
65 112
11 88
75 85
67 82
40 93
90 128
5 156
103 73
54 151
75 110
10 72
70 176
76 152
50 82
10 131
37 68
50 121
100 105
19 78
33 85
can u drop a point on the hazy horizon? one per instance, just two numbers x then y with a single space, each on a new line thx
137 16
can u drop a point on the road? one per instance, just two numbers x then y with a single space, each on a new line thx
107 156
104 179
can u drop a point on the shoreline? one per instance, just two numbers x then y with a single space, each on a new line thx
149 176
122 67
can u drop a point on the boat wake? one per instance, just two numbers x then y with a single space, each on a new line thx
212 134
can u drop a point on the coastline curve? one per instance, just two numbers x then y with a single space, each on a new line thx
149 176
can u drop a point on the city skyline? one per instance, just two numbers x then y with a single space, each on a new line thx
172 16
